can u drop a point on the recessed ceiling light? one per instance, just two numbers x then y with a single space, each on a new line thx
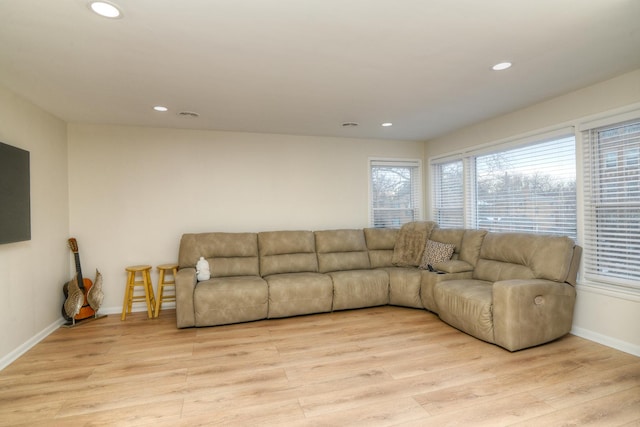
501 66
387 124
108 10
160 108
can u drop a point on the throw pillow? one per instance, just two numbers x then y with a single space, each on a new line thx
435 252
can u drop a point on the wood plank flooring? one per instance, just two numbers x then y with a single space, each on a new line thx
384 366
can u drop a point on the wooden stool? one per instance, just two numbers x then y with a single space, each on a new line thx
145 282
164 269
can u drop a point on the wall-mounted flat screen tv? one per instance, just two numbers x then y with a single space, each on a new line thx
15 195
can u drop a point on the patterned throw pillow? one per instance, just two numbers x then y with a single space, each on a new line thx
435 252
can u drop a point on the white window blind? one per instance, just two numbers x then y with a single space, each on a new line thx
395 192
448 194
612 204
525 186
530 188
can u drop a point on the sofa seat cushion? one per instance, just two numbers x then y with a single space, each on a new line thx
293 294
225 300
466 305
429 281
359 288
404 286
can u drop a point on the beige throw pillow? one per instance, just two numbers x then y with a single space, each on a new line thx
435 252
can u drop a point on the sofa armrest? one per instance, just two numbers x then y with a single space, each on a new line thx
453 266
531 312
185 286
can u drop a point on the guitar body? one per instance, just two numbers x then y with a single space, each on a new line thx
86 311
84 284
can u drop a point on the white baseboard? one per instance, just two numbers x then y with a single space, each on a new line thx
15 354
135 309
625 346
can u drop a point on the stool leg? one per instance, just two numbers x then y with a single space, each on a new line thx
145 284
151 293
160 292
132 291
128 290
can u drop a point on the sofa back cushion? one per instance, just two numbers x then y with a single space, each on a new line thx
287 252
467 242
229 254
471 244
452 236
380 243
340 250
524 256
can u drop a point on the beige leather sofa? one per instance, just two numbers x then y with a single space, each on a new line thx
515 290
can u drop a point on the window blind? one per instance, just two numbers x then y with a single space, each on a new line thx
612 204
530 188
395 192
448 203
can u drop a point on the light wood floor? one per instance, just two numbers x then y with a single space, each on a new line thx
385 366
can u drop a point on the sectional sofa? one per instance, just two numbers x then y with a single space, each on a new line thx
515 290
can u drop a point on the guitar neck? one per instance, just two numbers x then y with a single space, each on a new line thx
79 270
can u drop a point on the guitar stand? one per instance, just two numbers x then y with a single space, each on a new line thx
71 324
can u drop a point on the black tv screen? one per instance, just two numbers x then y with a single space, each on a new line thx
15 195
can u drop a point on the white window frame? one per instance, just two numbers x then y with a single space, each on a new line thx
617 286
416 184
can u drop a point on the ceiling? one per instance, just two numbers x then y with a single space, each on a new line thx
307 66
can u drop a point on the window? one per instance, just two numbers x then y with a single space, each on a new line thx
529 186
395 192
448 185
612 204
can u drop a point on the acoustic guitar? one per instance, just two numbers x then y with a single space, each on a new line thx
84 284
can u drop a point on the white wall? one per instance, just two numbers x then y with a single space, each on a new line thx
134 191
32 273
610 318
608 95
